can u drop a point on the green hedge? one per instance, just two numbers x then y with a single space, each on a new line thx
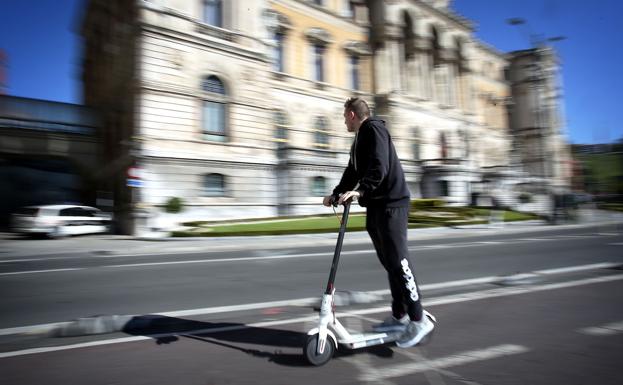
424 204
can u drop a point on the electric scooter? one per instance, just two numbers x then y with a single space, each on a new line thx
322 341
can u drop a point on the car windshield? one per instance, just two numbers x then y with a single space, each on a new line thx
29 211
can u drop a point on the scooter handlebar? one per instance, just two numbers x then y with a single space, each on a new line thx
334 201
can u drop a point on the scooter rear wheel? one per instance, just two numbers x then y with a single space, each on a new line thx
311 353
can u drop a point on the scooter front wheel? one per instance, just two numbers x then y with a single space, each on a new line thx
311 350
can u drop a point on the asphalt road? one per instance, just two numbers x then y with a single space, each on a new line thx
526 329
55 289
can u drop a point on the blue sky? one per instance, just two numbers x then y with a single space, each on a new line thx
43 45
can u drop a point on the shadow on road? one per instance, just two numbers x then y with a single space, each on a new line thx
166 330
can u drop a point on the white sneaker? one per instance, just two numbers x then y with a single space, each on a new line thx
415 332
392 324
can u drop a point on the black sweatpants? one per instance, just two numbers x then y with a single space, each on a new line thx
387 226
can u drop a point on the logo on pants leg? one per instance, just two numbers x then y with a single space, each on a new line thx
411 286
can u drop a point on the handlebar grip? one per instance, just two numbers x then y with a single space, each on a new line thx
335 199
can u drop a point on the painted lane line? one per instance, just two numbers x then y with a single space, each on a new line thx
574 269
33 329
463 358
260 258
500 292
616 244
314 300
41 271
536 239
69 347
432 302
604 330
23 260
428 287
573 236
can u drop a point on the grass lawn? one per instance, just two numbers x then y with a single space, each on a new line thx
329 224
277 227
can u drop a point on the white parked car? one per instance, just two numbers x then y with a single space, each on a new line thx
60 220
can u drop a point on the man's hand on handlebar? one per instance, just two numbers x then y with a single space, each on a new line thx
348 196
328 201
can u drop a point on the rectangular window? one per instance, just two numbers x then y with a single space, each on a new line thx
318 63
354 72
443 188
212 12
279 52
214 121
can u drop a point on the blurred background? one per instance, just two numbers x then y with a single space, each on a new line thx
163 112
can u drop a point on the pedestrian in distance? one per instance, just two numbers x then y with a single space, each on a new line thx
374 177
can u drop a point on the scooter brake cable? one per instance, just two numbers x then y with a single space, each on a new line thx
337 216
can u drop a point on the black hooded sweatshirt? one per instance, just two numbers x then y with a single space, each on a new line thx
374 168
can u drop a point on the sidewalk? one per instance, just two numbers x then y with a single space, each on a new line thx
12 246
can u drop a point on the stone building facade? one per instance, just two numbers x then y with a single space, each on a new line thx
236 106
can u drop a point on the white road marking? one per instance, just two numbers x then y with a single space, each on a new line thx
315 300
40 271
433 376
429 303
282 256
445 362
536 239
573 236
500 292
74 346
616 244
604 330
23 260
573 269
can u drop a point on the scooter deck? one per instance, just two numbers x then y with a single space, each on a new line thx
370 339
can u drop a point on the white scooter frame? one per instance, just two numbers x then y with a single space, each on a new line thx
323 341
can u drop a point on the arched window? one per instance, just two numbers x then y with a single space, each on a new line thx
319 186
214 111
214 185
213 12
321 133
281 126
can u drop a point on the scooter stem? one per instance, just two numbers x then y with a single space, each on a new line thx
338 249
